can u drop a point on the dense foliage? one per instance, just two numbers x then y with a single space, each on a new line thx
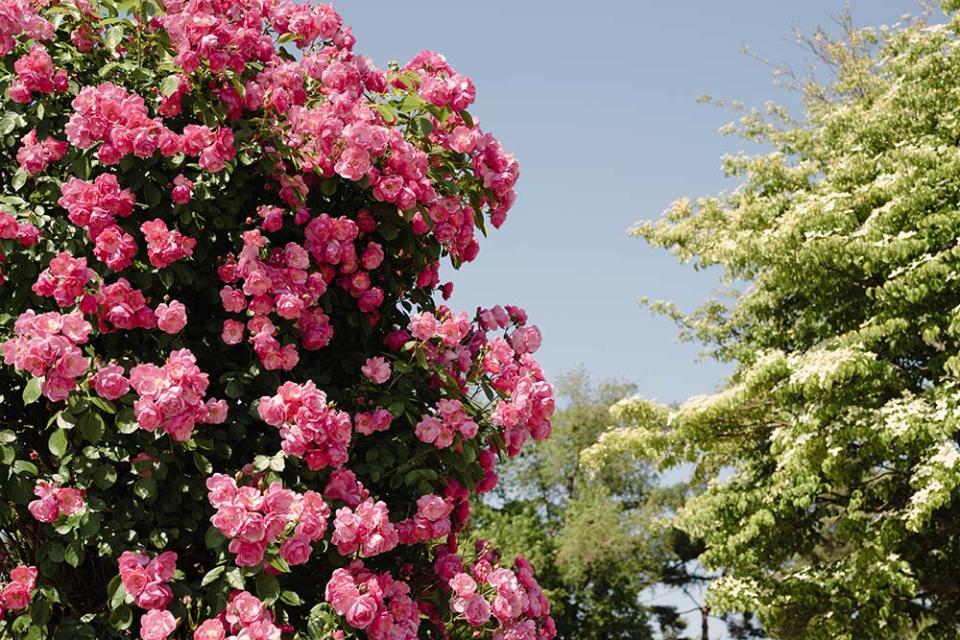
230 405
598 542
832 452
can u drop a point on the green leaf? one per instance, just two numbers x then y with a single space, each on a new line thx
235 578
19 179
203 465
7 436
170 85
92 426
291 598
422 126
213 538
113 37
145 488
55 552
24 466
116 594
105 476
74 553
126 422
31 392
212 575
122 618
57 443
268 587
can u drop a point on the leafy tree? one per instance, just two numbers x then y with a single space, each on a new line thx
597 541
831 455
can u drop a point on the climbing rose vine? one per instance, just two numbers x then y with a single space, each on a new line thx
231 403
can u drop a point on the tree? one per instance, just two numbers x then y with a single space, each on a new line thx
231 403
831 454
598 541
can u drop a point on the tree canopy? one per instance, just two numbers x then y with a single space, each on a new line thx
831 454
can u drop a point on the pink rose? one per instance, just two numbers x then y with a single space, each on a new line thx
463 585
232 332
362 611
15 596
296 550
27 576
135 580
182 191
70 501
377 370
249 554
109 382
354 163
428 429
248 607
477 610
209 630
44 509
155 595
157 625
164 565
171 318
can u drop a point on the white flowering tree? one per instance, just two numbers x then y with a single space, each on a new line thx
831 454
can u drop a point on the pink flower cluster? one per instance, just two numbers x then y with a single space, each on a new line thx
36 74
366 528
120 121
17 593
368 422
245 618
332 243
282 285
309 427
120 306
54 501
451 419
344 486
110 115
431 521
451 329
23 232
145 579
64 279
228 40
20 17
34 156
95 207
517 603
528 410
164 247
171 396
253 520
46 346
376 603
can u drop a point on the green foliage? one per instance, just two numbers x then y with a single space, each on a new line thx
831 454
597 542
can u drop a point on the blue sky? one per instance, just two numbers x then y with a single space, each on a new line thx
598 101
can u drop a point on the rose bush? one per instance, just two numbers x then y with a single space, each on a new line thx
230 404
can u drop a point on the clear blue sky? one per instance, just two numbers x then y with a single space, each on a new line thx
598 101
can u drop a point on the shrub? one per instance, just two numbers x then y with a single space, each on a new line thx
230 405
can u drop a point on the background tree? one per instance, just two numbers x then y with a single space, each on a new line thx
831 454
599 541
